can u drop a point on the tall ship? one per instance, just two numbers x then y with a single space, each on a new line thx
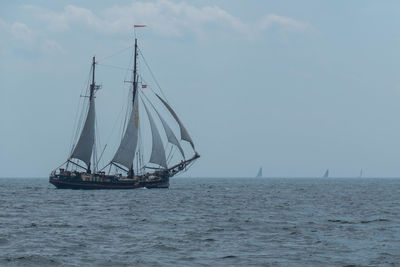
128 168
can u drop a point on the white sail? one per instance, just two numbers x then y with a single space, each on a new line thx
259 174
184 134
157 151
170 134
127 149
84 147
326 174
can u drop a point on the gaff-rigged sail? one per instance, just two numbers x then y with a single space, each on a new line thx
127 149
184 133
157 151
84 147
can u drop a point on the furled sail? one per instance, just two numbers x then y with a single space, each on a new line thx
157 151
170 134
184 134
84 147
127 149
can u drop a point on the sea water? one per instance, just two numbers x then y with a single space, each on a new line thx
203 222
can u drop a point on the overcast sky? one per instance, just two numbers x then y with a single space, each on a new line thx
294 86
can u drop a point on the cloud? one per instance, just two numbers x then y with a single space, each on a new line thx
285 22
16 30
53 47
21 31
164 17
18 36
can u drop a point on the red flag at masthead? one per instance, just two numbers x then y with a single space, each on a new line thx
139 26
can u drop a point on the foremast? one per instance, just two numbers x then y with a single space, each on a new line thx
84 147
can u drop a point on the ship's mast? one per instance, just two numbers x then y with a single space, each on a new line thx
92 89
93 85
131 172
86 139
134 74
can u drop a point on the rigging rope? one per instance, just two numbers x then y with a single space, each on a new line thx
170 155
97 144
116 53
172 150
129 92
119 117
79 114
115 67
152 75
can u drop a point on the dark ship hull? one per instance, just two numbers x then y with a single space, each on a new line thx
81 180
90 182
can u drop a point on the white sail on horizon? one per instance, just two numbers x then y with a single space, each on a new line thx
84 147
259 174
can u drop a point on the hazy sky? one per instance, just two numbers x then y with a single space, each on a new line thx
294 86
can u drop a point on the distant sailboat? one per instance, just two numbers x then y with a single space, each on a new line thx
259 174
326 174
361 173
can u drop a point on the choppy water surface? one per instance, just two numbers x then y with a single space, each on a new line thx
203 222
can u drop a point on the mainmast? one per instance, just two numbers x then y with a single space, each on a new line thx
134 74
131 173
127 149
124 157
